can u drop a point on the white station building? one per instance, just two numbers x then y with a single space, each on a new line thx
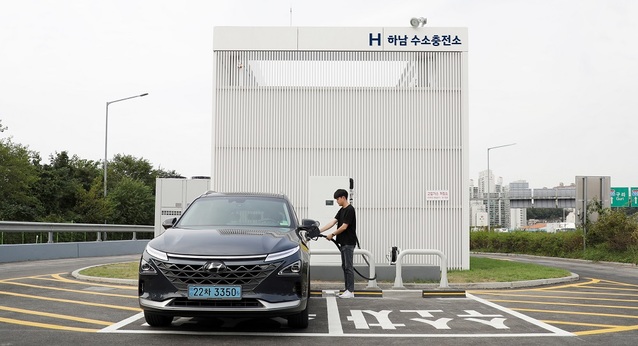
381 112
305 110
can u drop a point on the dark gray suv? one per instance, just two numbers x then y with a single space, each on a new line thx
228 255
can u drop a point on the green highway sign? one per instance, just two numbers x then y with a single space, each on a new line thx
620 197
634 197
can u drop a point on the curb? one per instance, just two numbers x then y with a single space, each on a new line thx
416 290
576 260
413 291
76 274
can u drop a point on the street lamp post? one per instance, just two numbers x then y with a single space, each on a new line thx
489 219
106 134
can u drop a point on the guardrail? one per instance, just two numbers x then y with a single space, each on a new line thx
371 283
398 281
50 228
53 250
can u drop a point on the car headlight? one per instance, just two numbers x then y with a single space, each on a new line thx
146 267
156 253
282 254
291 269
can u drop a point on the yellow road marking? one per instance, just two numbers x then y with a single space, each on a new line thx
46 325
619 283
565 304
581 324
605 331
74 291
71 301
563 297
57 277
588 293
576 313
580 284
607 288
47 314
591 282
25 277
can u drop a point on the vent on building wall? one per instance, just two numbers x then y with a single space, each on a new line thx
172 212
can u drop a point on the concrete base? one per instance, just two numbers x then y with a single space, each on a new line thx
410 273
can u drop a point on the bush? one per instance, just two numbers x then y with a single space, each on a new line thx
609 236
560 244
614 230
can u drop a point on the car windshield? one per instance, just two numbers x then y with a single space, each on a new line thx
237 211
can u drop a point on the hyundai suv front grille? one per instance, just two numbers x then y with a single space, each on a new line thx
247 275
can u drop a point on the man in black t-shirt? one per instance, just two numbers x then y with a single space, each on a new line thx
346 237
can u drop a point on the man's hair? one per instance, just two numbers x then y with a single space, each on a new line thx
341 193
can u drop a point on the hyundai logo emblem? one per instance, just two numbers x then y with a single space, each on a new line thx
215 267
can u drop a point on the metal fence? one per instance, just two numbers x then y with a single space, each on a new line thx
33 246
41 229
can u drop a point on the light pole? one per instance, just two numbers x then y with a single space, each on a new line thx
106 134
489 219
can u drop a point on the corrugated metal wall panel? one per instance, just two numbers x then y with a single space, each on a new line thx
393 121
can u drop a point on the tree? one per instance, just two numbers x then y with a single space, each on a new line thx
69 189
57 189
17 177
133 203
91 206
61 184
161 173
131 167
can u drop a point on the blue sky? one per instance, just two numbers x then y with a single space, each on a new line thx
555 77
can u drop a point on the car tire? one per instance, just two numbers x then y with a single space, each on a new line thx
300 320
157 320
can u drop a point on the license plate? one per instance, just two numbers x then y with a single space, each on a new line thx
214 292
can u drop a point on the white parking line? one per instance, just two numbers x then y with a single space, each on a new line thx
335 327
118 325
334 319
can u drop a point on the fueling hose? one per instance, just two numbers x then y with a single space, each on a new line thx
314 233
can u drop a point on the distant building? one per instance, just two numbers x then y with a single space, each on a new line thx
499 208
518 218
506 209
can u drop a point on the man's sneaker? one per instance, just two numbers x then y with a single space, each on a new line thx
346 294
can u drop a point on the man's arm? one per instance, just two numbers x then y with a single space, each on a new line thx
341 229
328 226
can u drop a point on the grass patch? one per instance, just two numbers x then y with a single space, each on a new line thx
126 270
494 270
481 270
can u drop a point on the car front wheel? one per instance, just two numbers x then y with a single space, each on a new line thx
157 320
300 320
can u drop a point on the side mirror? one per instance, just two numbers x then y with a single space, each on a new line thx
169 223
311 227
309 223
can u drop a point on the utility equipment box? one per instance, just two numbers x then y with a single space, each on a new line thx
323 208
174 195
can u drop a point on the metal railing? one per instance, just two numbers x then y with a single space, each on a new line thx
50 228
398 280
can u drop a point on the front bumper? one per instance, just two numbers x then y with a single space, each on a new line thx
265 290
235 307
